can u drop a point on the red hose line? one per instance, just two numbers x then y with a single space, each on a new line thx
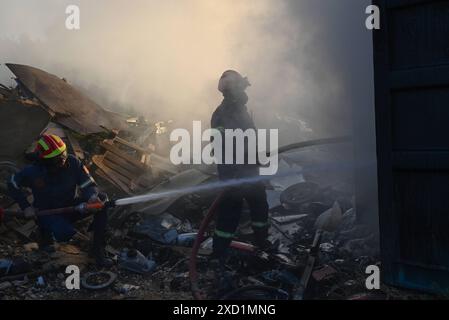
199 239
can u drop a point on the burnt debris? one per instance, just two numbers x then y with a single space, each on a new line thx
318 249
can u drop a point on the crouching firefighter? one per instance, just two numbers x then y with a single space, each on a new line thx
53 180
233 114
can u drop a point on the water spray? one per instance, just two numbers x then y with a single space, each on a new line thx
232 182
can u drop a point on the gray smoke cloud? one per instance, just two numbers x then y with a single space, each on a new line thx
309 61
306 60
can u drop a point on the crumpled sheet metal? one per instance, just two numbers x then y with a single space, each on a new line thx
71 108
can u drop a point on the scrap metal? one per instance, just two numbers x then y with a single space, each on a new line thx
70 107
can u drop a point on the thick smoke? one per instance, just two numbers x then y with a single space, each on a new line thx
309 61
163 58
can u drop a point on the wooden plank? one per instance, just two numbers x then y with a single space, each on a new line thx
118 179
115 173
132 145
123 163
104 176
119 169
121 154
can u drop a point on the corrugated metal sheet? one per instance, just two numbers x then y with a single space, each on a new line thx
72 109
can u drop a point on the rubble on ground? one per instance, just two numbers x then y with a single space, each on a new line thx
152 242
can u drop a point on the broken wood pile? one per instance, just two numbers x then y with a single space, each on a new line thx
124 165
41 97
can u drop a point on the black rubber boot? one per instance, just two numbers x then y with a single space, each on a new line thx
99 242
46 242
261 239
220 247
222 282
217 262
97 253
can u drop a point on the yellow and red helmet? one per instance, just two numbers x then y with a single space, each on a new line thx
50 146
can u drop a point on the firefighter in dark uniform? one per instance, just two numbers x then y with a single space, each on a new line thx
53 180
233 114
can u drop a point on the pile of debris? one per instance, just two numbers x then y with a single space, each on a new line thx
320 251
126 152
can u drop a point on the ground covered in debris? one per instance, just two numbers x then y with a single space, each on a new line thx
315 232
152 255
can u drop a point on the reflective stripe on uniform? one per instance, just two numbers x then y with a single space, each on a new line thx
259 224
223 234
13 182
87 183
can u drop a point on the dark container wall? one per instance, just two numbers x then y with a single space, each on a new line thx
411 58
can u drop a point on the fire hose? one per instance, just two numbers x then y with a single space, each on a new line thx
41 213
199 239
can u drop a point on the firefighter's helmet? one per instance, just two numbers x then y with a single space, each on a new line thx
232 80
50 146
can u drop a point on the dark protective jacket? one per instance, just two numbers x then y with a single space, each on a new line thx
232 114
52 190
